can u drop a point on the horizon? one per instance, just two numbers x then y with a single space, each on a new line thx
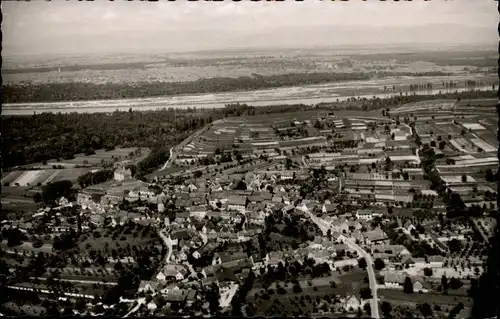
63 28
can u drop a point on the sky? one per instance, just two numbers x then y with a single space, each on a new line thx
101 26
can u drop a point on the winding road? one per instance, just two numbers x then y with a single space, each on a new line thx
324 226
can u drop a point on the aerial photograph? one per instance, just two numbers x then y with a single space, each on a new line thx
322 159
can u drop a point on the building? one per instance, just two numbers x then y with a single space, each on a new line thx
122 173
223 257
237 202
436 261
352 303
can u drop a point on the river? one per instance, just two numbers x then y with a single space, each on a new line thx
307 94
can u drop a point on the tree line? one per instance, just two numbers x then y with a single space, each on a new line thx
77 91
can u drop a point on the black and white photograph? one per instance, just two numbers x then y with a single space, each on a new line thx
315 158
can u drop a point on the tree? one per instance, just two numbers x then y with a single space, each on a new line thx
367 309
427 271
379 264
386 309
365 293
456 310
455 283
406 176
489 177
37 197
442 144
408 285
53 191
241 185
362 263
426 310
444 283
455 245
197 174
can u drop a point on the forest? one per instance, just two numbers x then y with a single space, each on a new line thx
77 91
47 136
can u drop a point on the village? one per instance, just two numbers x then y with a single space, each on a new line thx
313 213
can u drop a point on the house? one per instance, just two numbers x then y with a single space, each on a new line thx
436 261
176 296
392 250
366 214
183 203
151 305
328 208
148 286
191 296
178 272
320 256
419 262
354 225
223 257
393 280
198 212
286 175
205 250
254 198
258 262
122 173
288 208
237 202
418 285
274 258
97 219
407 260
383 256
352 303
341 225
375 236
277 199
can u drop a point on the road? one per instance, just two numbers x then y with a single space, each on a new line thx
175 150
81 281
140 302
167 242
167 163
324 226
304 162
226 298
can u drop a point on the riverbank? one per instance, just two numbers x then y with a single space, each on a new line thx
308 95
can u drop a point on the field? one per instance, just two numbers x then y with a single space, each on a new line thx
68 169
397 297
449 128
316 296
97 159
192 66
42 177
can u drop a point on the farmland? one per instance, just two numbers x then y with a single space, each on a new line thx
38 174
197 65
